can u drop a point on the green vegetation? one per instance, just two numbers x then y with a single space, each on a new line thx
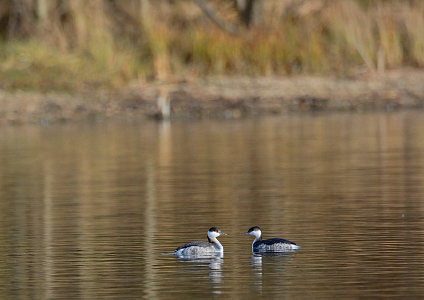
79 44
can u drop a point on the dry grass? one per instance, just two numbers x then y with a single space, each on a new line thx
95 43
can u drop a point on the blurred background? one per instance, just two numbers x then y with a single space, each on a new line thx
71 45
200 113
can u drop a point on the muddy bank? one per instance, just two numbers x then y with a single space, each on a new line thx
223 97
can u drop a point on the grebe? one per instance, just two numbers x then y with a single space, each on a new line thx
212 247
270 245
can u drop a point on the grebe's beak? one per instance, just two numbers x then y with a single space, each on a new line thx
246 233
223 233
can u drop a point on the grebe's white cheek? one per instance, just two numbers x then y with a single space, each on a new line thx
213 234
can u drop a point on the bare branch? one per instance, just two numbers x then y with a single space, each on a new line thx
218 21
361 50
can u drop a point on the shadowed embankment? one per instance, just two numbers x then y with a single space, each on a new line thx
221 97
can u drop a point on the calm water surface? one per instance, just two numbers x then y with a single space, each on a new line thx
89 211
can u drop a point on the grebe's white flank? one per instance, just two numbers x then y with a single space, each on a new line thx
211 247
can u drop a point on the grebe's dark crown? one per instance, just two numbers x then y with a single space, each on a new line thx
253 228
214 229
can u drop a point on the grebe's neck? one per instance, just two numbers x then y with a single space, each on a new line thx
215 241
258 237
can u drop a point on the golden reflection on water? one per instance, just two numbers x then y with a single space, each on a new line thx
87 210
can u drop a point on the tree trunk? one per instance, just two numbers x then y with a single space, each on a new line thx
250 11
15 19
145 14
42 10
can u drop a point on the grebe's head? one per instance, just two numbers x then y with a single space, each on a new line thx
255 231
214 232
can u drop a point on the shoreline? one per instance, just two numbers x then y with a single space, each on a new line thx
220 97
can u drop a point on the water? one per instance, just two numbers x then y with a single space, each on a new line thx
88 211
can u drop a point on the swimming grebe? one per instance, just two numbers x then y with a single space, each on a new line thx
270 245
212 247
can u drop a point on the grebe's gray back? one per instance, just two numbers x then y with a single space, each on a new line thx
269 245
198 248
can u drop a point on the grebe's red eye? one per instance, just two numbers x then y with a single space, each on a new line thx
217 231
